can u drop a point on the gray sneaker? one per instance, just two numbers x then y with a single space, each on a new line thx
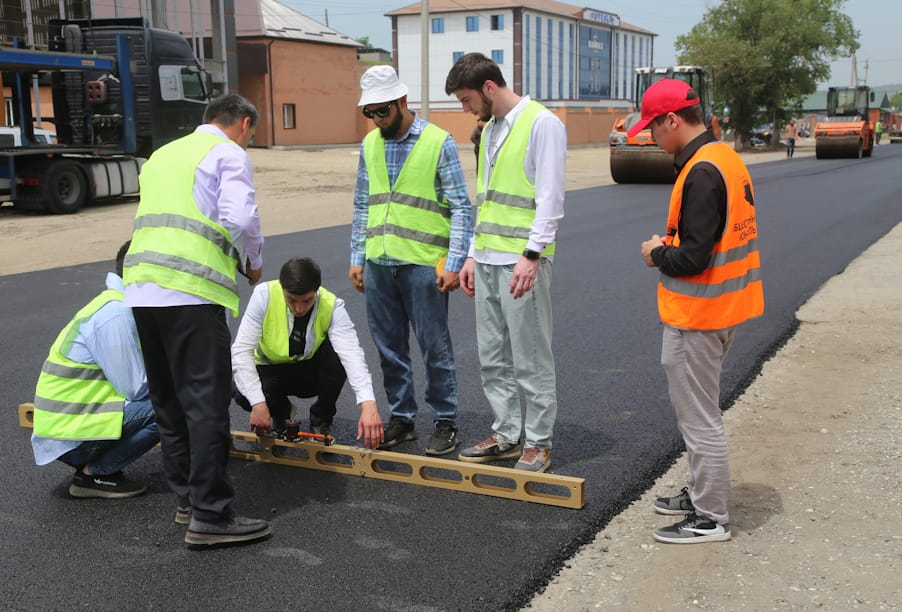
678 504
233 530
182 515
534 459
490 449
693 529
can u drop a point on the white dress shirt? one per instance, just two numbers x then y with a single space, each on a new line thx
341 334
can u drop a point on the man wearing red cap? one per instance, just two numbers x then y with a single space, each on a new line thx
710 283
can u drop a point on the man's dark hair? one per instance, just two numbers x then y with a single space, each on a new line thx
300 275
471 71
229 109
120 257
693 115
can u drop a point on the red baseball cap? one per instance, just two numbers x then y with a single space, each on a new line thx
665 96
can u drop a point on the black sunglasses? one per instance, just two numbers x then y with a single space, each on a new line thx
382 113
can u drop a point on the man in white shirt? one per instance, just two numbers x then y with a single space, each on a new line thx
520 196
296 339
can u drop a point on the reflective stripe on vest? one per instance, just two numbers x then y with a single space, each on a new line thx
507 208
406 221
729 291
273 345
174 245
75 401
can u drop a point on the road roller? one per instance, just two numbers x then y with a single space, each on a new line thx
638 159
847 130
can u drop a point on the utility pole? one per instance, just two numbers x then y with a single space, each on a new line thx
424 63
224 62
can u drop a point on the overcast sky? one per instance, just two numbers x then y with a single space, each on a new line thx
879 21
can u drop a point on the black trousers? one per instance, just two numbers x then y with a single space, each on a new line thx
322 376
189 372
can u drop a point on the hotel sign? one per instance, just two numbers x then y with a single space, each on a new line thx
601 17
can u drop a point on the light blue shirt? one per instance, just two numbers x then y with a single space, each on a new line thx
109 339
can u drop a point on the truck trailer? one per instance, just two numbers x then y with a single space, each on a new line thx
120 90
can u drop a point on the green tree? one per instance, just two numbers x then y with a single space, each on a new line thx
896 100
767 55
365 41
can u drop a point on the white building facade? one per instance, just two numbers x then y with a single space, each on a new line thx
549 50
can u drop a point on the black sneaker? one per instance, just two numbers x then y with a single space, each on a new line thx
233 530
111 486
444 440
692 530
324 430
678 504
396 431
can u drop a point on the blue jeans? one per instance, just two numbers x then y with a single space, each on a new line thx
398 298
104 457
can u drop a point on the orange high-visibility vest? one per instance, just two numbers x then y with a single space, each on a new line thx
729 291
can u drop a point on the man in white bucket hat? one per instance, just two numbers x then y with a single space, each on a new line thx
411 211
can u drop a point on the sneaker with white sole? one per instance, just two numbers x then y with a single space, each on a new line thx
534 459
678 504
693 529
109 486
490 449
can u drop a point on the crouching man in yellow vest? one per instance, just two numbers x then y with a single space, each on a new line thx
710 283
92 409
296 339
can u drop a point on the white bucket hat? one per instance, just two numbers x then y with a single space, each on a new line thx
380 84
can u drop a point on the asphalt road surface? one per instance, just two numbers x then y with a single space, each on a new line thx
347 543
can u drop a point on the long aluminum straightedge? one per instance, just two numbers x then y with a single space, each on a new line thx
543 488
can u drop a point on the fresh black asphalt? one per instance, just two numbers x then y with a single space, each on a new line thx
347 543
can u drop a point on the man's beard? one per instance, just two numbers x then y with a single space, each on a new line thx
390 132
485 113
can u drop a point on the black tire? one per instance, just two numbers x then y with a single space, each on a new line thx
65 188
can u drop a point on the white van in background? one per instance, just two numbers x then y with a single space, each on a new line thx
12 136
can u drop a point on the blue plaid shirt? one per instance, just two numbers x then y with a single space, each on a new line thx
449 184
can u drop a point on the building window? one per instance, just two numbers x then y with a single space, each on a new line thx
497 22
288 117
438 25
498 56
456 56
472 24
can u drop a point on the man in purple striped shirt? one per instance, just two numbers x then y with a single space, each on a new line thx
196 227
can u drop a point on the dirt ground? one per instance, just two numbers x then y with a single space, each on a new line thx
815 441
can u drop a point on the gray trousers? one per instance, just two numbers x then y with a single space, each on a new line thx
693 360
514 338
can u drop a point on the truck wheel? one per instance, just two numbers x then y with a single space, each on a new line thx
66 188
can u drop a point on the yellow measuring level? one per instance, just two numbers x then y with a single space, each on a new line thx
540 488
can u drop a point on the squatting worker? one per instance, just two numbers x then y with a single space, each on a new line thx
91 406
520 186
710 283
296 339
196 227
411 209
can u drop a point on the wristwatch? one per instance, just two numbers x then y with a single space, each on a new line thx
531 255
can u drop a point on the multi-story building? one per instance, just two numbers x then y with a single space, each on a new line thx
578 61
550 50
